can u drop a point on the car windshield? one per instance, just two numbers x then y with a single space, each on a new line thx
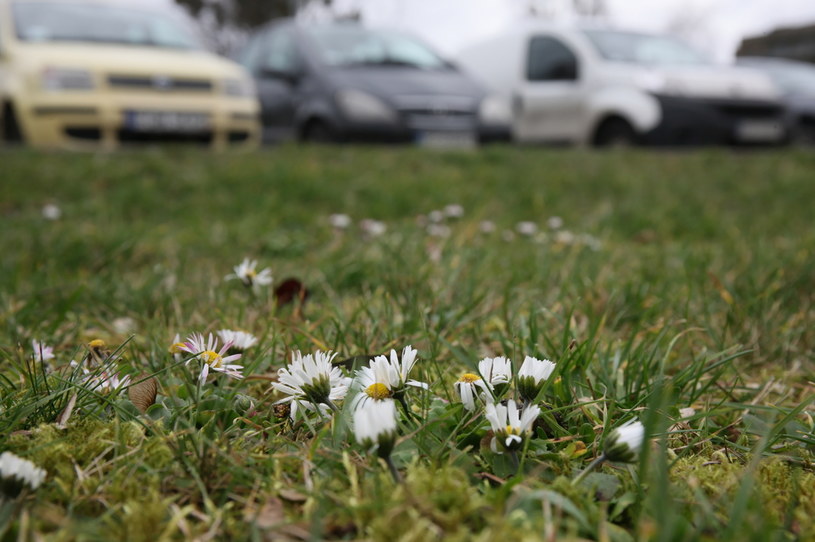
792 78
355 46
101 23
643 48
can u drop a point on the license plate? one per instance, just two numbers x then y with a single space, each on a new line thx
447 140
166 121
759 130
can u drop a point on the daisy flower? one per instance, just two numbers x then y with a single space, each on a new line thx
496 372
17 474
509 424
469 388
239 340
435 216
311 380
51 211
526 228
554 222
453 210
624 442
210 357
104 382
42 352
177 348
486 226
340 221
531 376
372 228
251 278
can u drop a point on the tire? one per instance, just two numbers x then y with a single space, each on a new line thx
802 133
10 132
318 131
615 132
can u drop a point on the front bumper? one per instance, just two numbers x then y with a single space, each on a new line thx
456 128
97 120
694 121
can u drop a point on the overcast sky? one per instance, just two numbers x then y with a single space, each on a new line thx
716 26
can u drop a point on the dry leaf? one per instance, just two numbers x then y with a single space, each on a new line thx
291 495
269 515
65 415
289 290
143 394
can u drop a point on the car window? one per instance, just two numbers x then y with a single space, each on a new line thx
643 48
252 54
279 52
100 23
359 46
548 59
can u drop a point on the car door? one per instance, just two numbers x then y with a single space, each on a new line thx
550 104
275 62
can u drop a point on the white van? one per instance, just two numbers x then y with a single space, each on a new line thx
603 87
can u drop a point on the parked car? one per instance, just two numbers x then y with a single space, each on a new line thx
93 73
601 87
345 82
797 82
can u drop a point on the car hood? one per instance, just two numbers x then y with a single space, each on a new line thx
103 60
702 81
394 83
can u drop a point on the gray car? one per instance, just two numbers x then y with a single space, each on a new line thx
797 81
345 82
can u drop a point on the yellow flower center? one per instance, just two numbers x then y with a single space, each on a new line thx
97 343
469 378
378 391
513 430
176 348
211 358
251 273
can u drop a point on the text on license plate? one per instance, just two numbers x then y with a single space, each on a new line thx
166 121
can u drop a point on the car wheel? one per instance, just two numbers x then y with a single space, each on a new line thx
803 133
318 131
9 128
615 132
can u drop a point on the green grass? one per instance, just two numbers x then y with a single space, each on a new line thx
694 289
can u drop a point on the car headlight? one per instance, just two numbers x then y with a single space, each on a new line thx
239 88
495 110
363 107
56 79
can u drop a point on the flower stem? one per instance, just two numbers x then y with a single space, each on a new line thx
597 460
397 477
513 455
334 407
401 398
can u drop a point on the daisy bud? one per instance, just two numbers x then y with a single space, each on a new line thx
532 375
497 372
623 443
17 474
375 426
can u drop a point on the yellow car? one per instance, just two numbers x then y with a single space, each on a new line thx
100 73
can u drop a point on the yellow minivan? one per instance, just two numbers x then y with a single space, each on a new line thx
102 73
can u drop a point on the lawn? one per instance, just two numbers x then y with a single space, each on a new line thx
674 289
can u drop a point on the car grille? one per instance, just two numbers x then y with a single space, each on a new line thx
454 113
159 83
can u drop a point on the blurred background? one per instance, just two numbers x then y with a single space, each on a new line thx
236 73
